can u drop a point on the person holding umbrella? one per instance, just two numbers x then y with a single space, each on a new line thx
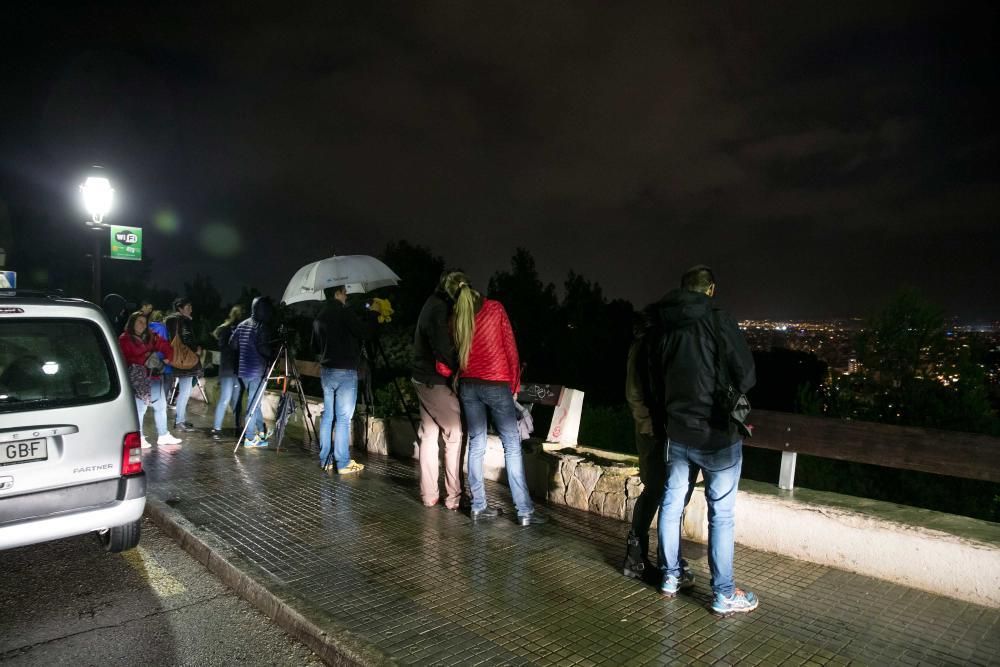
337 336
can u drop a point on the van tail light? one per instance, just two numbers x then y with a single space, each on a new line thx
132 454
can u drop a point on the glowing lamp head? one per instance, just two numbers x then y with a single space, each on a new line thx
98 196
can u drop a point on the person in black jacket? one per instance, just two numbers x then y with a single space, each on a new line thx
694 331
179 324
435 362
337 337
229 382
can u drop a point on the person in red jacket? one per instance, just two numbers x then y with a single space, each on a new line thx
138 344
489 378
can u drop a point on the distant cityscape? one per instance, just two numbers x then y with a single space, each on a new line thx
834 341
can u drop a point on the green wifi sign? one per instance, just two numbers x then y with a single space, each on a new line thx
126 242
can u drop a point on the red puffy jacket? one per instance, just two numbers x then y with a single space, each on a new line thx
136 351
494 352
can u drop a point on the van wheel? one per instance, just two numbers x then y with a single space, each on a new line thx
121 538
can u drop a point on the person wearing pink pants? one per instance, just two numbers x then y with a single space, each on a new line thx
435 362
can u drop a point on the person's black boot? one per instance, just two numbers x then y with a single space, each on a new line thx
634 565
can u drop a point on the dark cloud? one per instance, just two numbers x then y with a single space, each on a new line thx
819 157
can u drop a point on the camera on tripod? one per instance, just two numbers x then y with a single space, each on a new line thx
282 334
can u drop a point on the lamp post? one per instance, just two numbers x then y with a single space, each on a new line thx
98 195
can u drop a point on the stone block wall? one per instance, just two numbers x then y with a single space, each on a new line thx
575 477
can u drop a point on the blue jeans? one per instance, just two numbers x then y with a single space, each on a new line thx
476 398
721 469
340 394
159 405
184 386
228 395
255 421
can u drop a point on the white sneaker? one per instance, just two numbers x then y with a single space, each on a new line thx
167 439
146 444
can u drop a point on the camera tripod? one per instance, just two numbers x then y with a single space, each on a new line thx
289 378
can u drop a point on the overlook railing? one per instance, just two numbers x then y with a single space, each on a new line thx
965 455
952 453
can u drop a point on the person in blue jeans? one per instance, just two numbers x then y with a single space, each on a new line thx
179 324
228 381
340 395
337 336
252 340
490 376
698 347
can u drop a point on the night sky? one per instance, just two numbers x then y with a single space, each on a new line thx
818 157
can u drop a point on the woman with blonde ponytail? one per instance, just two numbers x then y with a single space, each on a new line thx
489 378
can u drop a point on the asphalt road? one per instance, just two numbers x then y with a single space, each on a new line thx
69 602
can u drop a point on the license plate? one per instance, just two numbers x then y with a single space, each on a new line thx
23 450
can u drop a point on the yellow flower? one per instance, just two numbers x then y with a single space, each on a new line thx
384 310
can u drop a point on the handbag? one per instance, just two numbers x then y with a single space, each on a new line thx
728 404
184 357
154 364
525 423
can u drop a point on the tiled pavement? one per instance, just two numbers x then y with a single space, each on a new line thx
361 556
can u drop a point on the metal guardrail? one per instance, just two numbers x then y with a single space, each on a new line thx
952 453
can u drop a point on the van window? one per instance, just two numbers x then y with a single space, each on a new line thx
50 363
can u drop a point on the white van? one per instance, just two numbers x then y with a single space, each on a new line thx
70 452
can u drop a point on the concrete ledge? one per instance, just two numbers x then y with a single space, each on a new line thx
932 551
877 539
336 647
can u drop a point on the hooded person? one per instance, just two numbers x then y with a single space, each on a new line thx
698 339
251 339
116 309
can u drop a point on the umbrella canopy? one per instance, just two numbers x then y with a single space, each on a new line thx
358 273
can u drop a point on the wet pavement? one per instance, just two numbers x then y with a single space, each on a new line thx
392 581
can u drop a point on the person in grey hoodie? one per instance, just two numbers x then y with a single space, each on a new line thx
252 340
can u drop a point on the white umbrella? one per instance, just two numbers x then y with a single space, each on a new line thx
358 273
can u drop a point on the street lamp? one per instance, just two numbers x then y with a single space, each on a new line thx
98 195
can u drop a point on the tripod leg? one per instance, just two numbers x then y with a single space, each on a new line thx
399 392
310 427
201 388
257 399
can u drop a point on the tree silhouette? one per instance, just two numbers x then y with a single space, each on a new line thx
419 271
533 311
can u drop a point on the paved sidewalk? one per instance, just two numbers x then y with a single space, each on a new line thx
364 573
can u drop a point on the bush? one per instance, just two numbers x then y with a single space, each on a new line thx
609 428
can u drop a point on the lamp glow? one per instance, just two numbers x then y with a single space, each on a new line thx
98 195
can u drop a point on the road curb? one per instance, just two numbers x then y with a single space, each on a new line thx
337 646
